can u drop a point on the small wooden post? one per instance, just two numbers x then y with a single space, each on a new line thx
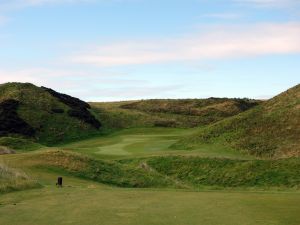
59 181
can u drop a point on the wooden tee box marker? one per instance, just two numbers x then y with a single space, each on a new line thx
59 182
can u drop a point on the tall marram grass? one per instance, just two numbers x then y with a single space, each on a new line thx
13 179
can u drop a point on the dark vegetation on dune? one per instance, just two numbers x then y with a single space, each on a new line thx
78 108
44 115
10 122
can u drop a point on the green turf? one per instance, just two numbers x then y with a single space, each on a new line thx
89 204
141 142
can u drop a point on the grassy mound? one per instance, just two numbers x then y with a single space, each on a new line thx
52 116
230 173
271 129
106 172
170 113
13 179
19 144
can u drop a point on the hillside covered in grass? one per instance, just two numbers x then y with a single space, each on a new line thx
271 129
170 113
43 115
199 171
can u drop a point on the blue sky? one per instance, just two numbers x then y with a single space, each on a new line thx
107 50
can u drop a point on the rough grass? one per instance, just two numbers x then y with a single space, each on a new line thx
106 172
284 173
5 150
19 144
13 179
211 108
269 130
169 113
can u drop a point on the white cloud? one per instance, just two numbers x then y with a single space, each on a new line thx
90 86
56 76
215 43
131 92
269 3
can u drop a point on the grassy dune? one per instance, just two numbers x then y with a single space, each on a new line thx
230 173
168 112
269 130
51 119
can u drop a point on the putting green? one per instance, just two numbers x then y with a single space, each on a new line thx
147 142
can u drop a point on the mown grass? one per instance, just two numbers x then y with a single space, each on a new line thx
90 204
142 142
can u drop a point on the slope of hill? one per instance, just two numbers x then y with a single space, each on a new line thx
170 113
271 129
43 114
199 171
